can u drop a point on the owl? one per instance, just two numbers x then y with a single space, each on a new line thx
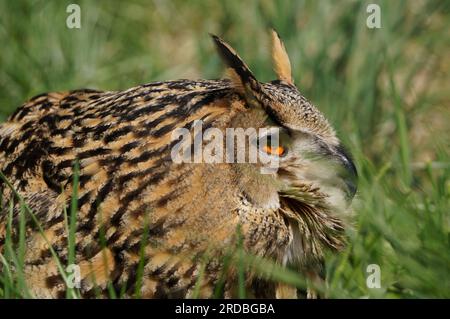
149 226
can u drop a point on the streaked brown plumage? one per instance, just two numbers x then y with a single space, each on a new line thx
122 141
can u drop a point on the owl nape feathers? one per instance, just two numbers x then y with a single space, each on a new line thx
143 218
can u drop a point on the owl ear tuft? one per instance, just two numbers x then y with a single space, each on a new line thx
280 58
240 74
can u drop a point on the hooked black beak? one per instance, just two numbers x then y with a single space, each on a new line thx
349 174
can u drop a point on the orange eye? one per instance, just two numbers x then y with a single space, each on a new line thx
279 151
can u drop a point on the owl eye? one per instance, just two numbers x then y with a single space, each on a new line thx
278 151
266 145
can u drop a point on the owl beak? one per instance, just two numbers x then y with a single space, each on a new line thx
349 173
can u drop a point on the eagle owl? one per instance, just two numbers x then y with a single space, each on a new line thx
129 187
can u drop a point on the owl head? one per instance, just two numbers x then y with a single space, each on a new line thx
316 178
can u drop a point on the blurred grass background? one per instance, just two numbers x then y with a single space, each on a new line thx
386 91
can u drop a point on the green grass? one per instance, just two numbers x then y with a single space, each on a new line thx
386 91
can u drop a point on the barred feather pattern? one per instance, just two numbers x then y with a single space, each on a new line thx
122 141
150 227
